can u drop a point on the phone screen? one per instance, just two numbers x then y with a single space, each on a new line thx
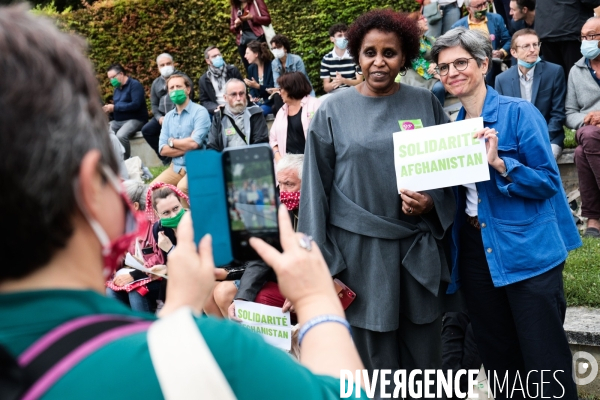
252 206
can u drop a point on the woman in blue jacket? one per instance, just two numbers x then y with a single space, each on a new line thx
512 233
260 75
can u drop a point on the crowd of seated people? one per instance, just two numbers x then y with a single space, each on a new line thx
324 146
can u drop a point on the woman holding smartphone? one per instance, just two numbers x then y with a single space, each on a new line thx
247 20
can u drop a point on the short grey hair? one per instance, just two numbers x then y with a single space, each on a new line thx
467 3
164 55
291 161
233 80
209 48
475 42
136 192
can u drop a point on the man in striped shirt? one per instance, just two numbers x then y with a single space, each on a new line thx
338 69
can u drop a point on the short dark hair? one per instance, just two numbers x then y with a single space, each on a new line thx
296 84
519 33
118 68
281 40
339 27
209 48
38 173
186 79
530 4
386 20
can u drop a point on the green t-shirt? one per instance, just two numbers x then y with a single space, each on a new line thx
123 369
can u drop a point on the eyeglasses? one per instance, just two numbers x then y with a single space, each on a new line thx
535 46
590 37
236 95
460 64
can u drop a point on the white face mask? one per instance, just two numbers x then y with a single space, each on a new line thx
278 53
166 71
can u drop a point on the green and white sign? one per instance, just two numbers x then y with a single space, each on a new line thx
440 156
272 324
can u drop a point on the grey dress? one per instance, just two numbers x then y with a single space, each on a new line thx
350 205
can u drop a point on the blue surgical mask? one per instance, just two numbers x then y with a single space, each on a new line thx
529 65
218 62
341 43
589 49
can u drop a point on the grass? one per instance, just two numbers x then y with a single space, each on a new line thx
582 275
156 171
569 138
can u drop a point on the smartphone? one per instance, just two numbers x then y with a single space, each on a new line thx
251 203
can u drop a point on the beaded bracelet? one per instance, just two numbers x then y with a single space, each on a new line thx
319 320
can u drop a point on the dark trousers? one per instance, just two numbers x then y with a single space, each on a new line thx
151 132
565 54
503 8
459 350
411 346
587 161
277 104
519 327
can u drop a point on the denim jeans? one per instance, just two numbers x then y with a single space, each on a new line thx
450 14
136 301
439 91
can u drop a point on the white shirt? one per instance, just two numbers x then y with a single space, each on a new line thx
526 82
472 199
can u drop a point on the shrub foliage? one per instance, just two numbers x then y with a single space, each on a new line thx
134 32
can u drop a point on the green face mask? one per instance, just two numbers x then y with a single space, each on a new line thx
173 221
178 96
480 14
115 82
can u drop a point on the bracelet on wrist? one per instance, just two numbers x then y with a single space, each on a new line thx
320 320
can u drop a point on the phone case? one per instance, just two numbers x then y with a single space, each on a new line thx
345 294
208 202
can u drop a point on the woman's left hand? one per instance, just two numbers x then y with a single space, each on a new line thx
122 280
415 203
491 147
252 83
431 70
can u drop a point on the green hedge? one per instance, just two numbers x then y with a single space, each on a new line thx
134 32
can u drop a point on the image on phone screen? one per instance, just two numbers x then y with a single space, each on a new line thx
251 201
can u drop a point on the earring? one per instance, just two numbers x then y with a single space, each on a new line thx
403 71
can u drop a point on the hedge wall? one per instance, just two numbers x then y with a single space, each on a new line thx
134 32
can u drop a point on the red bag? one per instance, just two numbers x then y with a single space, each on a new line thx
345 294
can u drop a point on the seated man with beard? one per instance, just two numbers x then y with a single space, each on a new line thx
237 124
259 283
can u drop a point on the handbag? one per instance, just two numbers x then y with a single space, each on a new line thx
346 295
267 29
432 12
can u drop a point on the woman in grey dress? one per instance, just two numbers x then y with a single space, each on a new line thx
385 246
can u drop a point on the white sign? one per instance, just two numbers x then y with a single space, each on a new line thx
272 324
440 156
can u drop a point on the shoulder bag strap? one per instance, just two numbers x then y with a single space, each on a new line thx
236 128
57 352
257 9
182 360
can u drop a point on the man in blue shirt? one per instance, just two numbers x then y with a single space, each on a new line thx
129 109
184 128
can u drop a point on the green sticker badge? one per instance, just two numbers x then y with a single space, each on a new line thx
229 131
410 124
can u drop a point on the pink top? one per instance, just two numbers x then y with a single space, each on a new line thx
278 136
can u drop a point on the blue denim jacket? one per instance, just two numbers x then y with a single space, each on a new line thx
293 63
526 225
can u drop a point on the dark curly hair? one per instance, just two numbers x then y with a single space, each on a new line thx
385 20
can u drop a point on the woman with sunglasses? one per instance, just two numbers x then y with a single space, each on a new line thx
512 233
